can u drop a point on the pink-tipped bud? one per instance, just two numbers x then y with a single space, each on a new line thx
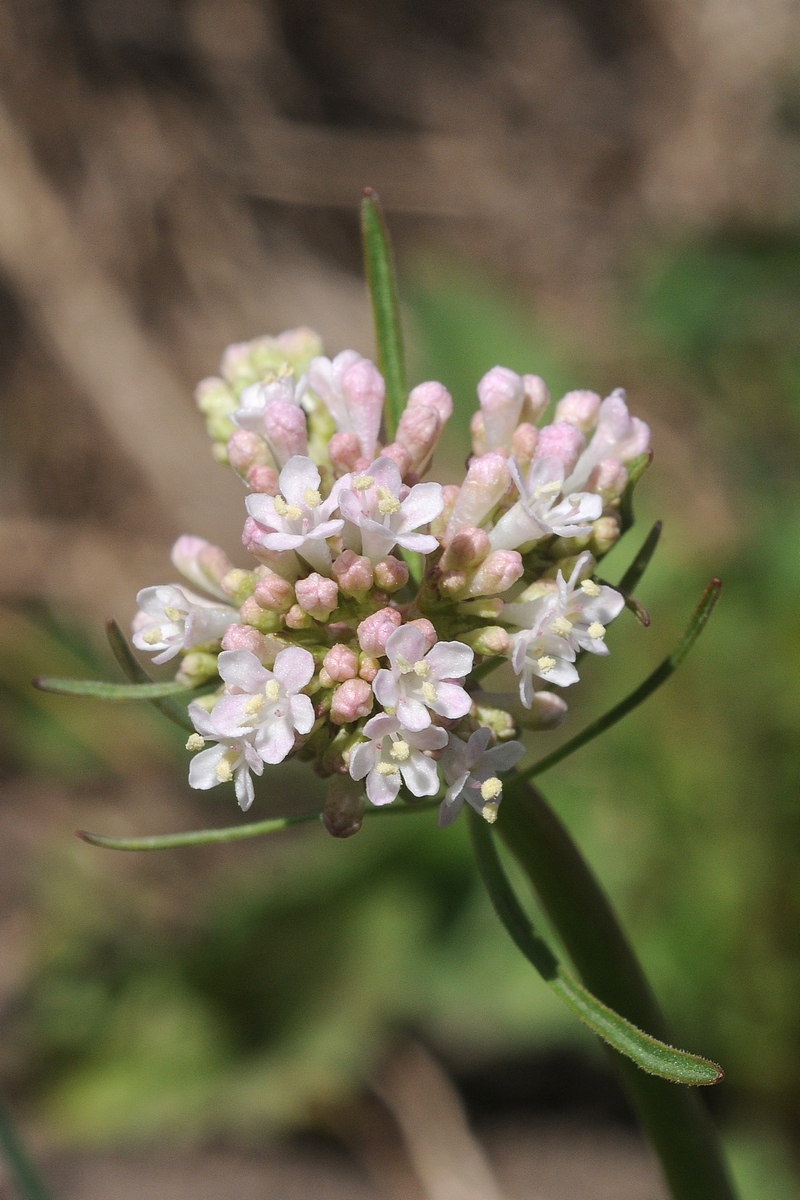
427 630
368 667
537 398
317 596
252 535
432 395
488 479
351 701
353 573
238 584
345 802
245 637
298 618
609 479
246 449
562 441
374 631
467 548
546 712
391 574
450 493
341 663
261 478
496 573
418 430
523 444
364 390
344 450
579 409
477 430
453 584
274 593
399 455
492 640
285 427
251 613
501 393
204 564
606 534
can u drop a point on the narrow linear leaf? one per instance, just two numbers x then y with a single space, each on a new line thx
30 1184
173 709
101 690
661 674
630 580
385 309
651 1055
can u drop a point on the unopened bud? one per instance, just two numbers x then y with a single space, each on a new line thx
477 431
262 619
364 390
562 441
353 573
523 444
418 430
487 608
579 409
368 667
298 618
274 593
317 595
547 711
246 449
467 548
344 449
341 663
245 637
351 701
262 479
609 479
606 534
453 584
438 525
487 481
498 720
197 668
493 640
537 398
496 573
204 564
285 428
391 574
238 584
213 397
343 813
432 395
374 631
427 630
501 393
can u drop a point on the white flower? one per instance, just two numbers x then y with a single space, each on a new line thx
255 399
264 705
470 771
394 755
537 652
374 502
418 681
231 759
352 389
298 518
578 611
618 436
540 511
171 619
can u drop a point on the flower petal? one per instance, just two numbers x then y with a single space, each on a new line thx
385 688
293 667
297 477
245 792
274 741
407 643
451 701
382 789
362 759
450 660
302 711
413 714
423 503
420 775
241 669
203 768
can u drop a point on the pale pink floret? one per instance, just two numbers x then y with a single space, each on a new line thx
496 574
344 451
384 518
487 481
562 441
391 574
580 409
233 758
467 766
418 681
351 701
537 398
353 572
501 393
298 518
352 389
245 637
268 706
261 478
317 595
201 563
609 479
258 398
541 511
274 593
618 435
171 619
418 431
341 663
393 756
247 449
523 444
285 431
432 395
375 630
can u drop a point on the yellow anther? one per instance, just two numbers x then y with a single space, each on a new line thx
491 788
596 630
562 627
254 704
400 750
152 636
489 813
421 668
272 690
547 489
590 588
546 663
428 693
195 742
385 768
387 503
284 371
312 498
293 513
389 710
403 665
223 771
363 483
281 507
173 614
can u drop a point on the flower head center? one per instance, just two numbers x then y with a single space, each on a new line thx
290 511
428 693
562 627
421 668
403 665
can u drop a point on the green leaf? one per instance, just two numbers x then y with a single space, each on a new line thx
653 1056
661 674
382 285
172 709
100 690
630 580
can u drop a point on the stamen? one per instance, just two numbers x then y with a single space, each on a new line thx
312 498
403 664
152 636
363 483
590 588
195 742
428 693
421 668
596 630
293 513
387 503
173 614
272 690
223 771
546 663
255 703
491 788
385 768
400 750
562 627
281 507
547 489
489 813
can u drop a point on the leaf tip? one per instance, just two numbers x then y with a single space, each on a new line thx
369 193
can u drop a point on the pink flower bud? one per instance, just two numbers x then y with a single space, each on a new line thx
345 802
488 479
609 479
368 667
453 584
501 393
351 701
261 478
285 427
344 449
235 361
274 593
467 547
537 398
364 391
391 574
432 395
418 431
606 534
341 663
244 637
298 618
562 441
496 573
317 596
204 564
251 613
579 409
477 431
353 573
546 712
438 525
252 535
427 630
523 444
400 455
246 449
375 629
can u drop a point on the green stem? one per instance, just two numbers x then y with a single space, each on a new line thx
385 308
30 1184
673 1117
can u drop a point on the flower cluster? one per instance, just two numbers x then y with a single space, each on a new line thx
351 640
